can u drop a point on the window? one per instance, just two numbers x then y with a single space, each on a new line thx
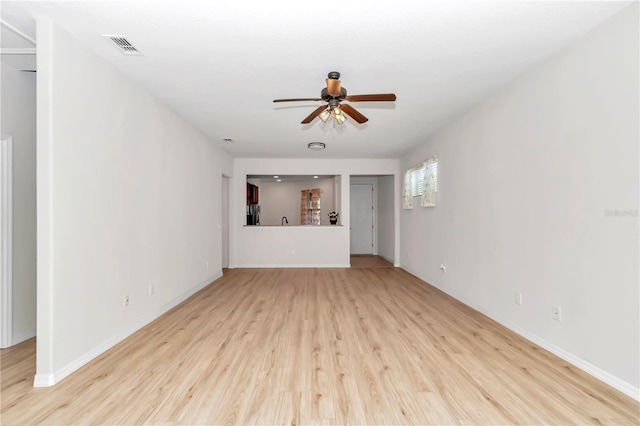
418 174
421 180
417 180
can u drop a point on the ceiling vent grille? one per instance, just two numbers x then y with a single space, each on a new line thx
123 45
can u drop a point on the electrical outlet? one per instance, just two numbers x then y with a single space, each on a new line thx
126 300
557 313
207 264
443 268
518 298
151 290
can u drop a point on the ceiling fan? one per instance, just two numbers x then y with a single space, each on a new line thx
334 94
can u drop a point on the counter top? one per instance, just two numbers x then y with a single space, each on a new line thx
292 226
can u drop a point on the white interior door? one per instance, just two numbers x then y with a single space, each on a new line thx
361 218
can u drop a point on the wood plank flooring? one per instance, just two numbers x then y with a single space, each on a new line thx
316 346
369 261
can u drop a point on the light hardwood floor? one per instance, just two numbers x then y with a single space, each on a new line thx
369 261
316 346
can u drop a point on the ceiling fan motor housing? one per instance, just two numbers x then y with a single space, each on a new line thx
325 96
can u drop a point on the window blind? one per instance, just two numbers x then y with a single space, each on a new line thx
417 179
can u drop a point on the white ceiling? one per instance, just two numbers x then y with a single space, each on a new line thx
220 64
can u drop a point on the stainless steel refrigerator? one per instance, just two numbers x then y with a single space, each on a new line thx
253 214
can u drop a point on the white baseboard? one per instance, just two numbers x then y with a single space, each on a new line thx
388 259
597 372
45 380
576 361
23 337
326 265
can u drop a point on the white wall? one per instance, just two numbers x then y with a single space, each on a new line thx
526 179
19 121
279 199
300 246
129 196
386 218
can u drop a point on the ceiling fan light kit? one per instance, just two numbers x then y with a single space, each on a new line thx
324 115
333 94
339 115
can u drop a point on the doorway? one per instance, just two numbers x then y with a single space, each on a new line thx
361 218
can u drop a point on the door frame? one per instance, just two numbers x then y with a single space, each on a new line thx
225 197
6 242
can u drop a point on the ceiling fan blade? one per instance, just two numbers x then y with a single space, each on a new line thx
314 114
333 87
381 97
297 99
351 112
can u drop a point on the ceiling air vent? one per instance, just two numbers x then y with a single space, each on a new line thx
123 45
